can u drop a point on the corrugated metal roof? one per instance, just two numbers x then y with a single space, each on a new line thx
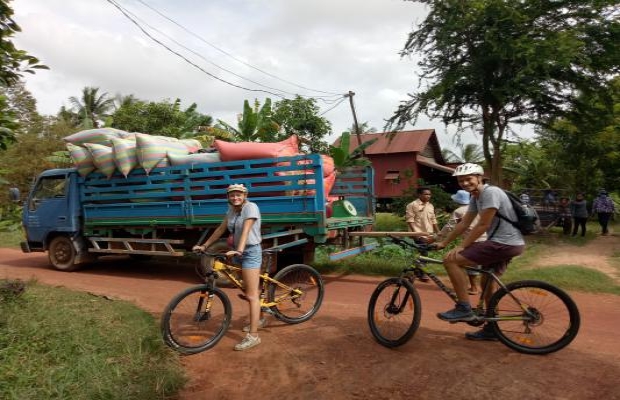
431 163
393 142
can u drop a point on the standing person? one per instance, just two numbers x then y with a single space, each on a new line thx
604 206
420 217
564 215
504 242
243 221
579 211
462 198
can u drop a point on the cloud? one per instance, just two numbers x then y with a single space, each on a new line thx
329 46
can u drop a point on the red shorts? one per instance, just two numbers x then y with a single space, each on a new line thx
491 254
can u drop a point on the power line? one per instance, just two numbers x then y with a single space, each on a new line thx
201 56
334 106
232 56
123 11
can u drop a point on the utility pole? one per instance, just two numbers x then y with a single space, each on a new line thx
355 125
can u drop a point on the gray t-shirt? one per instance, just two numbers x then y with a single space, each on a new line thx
235 223
500 231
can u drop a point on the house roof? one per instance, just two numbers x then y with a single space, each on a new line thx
393 142
429 162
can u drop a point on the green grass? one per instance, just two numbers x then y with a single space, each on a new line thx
11 238
61 344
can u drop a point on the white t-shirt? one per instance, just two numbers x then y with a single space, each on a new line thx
235 223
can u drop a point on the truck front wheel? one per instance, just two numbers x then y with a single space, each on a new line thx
62 254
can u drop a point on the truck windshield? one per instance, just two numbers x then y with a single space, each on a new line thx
47 188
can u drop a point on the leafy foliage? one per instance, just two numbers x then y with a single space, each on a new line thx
342 157
300 116
161 118
14 62
254 125
490 63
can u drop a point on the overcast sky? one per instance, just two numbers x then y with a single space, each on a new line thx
313 48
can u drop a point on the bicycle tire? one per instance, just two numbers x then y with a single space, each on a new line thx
296 309
392 325
185 325
555 327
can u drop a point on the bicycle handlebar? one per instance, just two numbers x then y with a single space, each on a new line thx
422 247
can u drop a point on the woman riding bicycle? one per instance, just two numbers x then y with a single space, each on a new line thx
504 242
243 221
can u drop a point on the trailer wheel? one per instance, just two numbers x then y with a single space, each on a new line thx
62 254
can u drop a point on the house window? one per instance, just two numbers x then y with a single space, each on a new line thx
392 177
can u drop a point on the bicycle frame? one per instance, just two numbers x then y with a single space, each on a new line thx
230 270
420 263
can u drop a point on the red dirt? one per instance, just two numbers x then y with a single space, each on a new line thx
333 356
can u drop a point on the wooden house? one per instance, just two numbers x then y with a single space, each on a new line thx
403 160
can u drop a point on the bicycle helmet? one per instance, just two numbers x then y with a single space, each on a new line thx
468 169
237 187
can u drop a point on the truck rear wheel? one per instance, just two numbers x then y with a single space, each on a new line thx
62 254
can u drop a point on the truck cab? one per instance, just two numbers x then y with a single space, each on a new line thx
51 217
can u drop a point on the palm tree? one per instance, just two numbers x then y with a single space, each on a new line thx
469 153
92 106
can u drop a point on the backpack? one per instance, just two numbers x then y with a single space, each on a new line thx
527 218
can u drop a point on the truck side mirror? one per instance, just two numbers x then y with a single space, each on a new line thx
14 194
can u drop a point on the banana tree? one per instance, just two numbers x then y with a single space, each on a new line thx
254 125
343 158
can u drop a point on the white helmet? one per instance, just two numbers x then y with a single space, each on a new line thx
468 169
237 187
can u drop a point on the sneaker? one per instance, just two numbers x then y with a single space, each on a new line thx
248 342
458 314
483 334
261 324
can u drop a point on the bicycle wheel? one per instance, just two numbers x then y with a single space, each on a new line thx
196 319
394 312
550 323
292 307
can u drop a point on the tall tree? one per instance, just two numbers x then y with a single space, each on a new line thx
92 106
24 106
301 116
13 63
490 63
584 143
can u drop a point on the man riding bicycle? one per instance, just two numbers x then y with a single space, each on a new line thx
504 242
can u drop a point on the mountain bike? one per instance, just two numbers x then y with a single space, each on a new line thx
198 317
529 316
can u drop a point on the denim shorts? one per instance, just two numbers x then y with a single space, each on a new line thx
252 257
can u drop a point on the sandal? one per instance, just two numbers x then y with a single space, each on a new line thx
473 292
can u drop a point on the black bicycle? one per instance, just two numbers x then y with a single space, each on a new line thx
529 316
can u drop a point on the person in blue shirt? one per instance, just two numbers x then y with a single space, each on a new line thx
243 221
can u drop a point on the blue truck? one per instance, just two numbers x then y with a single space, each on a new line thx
164 213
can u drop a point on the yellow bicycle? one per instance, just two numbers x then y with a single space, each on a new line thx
198 317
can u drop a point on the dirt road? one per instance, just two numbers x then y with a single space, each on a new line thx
333 356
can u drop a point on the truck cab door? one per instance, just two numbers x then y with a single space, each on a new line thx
47 208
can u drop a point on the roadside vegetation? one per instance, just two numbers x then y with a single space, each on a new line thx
60 344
